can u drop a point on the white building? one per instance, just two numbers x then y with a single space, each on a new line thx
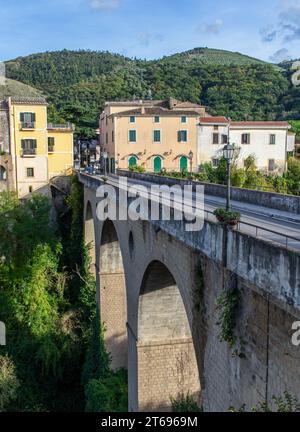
270 142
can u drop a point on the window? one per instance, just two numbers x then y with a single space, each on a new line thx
157 164
28 146
30 172
30 189
272 164
2 173
27 120
215 138
132 162
182 136
183 119
106 138
216 128
132 119
156 119
132 136
224 139
156 136
215 163
113 136
106 120
183 165
246 138
272 139
51 142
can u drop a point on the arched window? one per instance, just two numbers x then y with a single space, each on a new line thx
2 173
157 162
132 162
183 163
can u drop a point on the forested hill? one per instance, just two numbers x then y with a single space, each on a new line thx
77 83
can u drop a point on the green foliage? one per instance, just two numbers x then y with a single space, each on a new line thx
47 301
9 383
296 129
284 403
77 83
227 305
293 176
185 403
226 216
138 169
108 394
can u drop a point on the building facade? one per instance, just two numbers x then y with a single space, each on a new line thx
270 142
153 134
32 152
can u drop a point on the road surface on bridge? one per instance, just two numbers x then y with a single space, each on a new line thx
284 227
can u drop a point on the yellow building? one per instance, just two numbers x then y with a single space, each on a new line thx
38 151
152 134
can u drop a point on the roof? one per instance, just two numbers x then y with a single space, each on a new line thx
243 124
156 111
270 124
213 120
29 100
170 103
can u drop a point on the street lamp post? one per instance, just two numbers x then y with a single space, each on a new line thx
191 154
228 152
105 156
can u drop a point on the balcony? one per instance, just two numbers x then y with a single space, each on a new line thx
51 149
61 127
30 152
27 125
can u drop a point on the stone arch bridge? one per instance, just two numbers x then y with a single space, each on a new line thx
157 289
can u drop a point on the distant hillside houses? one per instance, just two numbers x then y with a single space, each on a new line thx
176 135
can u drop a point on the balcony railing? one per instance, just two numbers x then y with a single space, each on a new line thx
28 152
50 149
27 125
67 126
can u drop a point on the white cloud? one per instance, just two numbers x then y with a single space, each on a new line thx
145 38
280 55
211 28
105 4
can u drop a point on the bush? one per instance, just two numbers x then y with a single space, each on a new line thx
226 216
185 403
108 394
9 383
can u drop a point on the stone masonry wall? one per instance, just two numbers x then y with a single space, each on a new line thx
158 365
113 313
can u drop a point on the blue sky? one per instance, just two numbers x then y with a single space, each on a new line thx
267 29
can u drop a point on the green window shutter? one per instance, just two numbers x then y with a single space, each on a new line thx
184 136
157 136
132 136
179 136
22 117
34 144
23 144
157 164
183 163
33 117
156 119
132 119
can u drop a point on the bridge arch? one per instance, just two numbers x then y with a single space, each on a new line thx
113 299
166 366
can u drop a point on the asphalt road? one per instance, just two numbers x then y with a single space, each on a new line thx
262 222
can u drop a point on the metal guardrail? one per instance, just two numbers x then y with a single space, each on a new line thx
255 229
